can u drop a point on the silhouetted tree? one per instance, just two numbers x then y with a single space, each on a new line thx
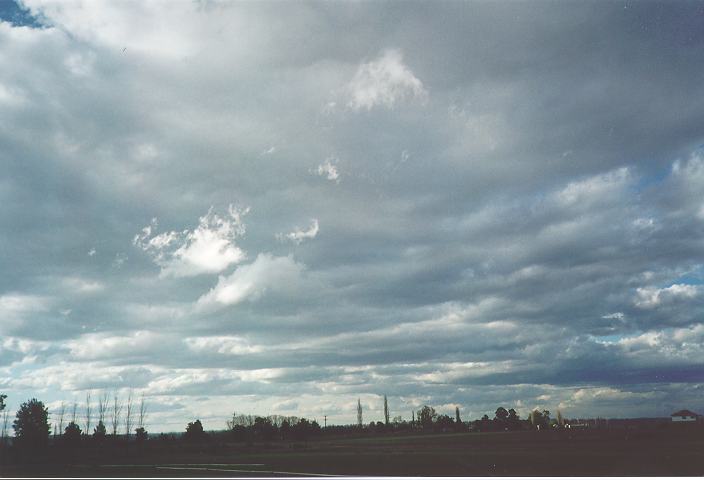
103 402
99 432
485 423
140 434
360 421
426 416
540 420
386 410
74 412
142 413
61 413
115 414
72 434
194 431
444 423
263 429
4 419
129 416
514 422
88 412
285 429
31 425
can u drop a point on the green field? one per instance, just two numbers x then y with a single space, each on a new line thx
564 453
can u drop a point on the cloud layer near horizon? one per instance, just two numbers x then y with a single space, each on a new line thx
282 207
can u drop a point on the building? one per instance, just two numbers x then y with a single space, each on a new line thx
684 416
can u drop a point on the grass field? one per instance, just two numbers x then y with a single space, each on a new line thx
564 453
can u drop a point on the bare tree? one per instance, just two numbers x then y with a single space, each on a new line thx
4 424
115 414
103 402
129 414
142 414
88 412
61 413
74 412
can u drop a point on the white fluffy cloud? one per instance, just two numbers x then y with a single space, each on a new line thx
250 282
384 82
209 248
299 235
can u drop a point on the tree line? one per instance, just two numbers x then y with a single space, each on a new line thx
110 417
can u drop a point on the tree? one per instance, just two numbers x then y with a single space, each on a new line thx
103 402
514 421
140 434
129 415
115 415
88 412
61 413
72 434
4 419
457 415
386 410
142 414
359 413
194 431
99 432
426 416
444 423
540 420
501 414
31 425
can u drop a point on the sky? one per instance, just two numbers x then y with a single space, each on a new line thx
282 207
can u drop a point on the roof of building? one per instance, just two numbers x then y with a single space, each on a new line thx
684 413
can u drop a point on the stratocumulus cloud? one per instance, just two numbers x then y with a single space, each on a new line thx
469 204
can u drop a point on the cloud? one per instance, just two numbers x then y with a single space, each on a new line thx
385 82
17 309
104 23
208 248
299 235
109 346
652 297
597 189
328 170
223 345
82 285
515 240
250 282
